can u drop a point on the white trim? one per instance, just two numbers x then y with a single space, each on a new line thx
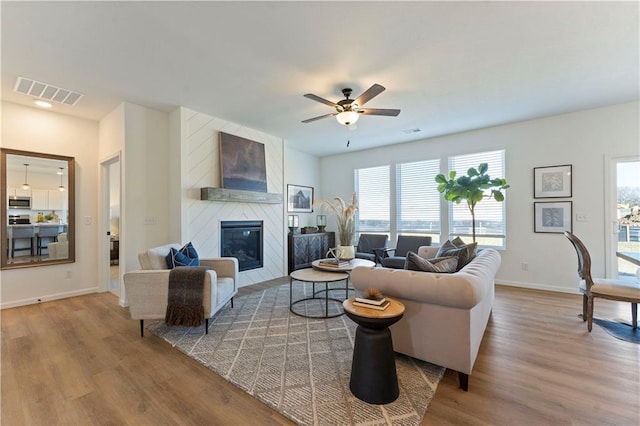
538 286
48 298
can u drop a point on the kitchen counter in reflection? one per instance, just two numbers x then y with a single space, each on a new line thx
22 233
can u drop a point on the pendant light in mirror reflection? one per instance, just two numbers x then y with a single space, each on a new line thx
61 172
25 185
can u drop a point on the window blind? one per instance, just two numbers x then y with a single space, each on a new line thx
373 190
417 198
490 214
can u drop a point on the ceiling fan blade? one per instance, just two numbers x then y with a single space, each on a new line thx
309 120
378 111
319 99
369 94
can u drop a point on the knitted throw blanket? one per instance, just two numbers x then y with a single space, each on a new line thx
186 294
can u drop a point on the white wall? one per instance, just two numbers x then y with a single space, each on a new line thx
199 166
32 129
303 169
583 139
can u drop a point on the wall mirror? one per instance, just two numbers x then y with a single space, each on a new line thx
38 209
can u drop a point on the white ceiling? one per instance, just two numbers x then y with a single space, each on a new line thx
450 66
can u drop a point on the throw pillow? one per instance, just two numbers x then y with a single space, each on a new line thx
464 253
445 265
186 256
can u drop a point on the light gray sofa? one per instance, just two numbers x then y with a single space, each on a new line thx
147 289
445 314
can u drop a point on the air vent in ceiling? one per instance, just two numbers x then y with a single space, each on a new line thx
49 92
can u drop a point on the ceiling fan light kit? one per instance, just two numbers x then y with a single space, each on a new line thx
348 110
347 117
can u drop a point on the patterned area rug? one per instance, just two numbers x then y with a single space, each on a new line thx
299 366
620 330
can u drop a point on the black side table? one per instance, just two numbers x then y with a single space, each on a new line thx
373 370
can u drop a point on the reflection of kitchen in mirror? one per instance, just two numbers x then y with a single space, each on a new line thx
37 209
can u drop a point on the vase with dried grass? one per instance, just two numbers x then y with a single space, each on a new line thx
346 222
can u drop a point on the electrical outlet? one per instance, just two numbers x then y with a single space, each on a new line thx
525 266
582 217
87 220
68 274
150 220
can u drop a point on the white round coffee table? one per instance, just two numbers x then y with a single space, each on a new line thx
309 275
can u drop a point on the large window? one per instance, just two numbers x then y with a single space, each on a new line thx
417 199
373 189
490 214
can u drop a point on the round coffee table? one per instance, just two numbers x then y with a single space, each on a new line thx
373 370
314 276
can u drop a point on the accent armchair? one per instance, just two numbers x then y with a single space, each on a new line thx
147 289
60 248
368 244
623 291
404 245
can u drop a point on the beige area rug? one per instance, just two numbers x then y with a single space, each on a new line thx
299 366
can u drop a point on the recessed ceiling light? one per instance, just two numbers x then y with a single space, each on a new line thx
43 104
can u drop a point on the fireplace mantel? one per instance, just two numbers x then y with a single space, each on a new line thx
239 196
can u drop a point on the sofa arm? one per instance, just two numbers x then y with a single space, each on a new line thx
226 267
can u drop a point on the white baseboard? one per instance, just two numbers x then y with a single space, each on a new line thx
537 286
49 297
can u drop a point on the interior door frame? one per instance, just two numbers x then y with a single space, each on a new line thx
104 262
610 213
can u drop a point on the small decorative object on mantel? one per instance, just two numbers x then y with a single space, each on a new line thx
309 230
293 221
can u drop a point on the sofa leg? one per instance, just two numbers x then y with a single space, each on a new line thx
464 381
141 328
206 326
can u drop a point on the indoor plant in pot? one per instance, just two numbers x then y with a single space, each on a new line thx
345 216
472 188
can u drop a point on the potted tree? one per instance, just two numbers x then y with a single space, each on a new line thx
472 188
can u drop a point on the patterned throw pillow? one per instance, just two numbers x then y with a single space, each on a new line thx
445 265
186 256
464 252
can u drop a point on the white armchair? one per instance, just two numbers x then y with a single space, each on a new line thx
147 289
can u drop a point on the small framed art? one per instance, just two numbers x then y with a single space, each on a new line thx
299 198
552 181
552 217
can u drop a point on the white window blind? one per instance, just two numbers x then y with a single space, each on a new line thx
373 190
490 214
418 199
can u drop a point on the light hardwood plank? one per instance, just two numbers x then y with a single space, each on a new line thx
82 361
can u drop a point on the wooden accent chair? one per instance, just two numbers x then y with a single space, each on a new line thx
622 291
368 243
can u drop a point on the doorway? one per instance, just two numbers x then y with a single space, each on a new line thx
624 202
110 256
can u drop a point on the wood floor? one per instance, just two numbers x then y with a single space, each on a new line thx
81 361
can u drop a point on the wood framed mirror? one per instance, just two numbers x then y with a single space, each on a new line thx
38 209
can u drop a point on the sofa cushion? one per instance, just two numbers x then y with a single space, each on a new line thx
186 256
464 252
444 265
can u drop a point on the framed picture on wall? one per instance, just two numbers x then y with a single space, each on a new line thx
299 198
552 217
552 181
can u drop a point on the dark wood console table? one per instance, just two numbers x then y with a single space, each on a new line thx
305 248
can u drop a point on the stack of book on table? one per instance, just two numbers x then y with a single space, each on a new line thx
380 305
334 263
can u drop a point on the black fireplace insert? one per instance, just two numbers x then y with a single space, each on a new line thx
243 240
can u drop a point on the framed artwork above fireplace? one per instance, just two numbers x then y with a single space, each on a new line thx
242 164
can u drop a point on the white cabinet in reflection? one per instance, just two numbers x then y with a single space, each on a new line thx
47 199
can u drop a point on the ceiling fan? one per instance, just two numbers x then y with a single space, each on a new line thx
348 110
